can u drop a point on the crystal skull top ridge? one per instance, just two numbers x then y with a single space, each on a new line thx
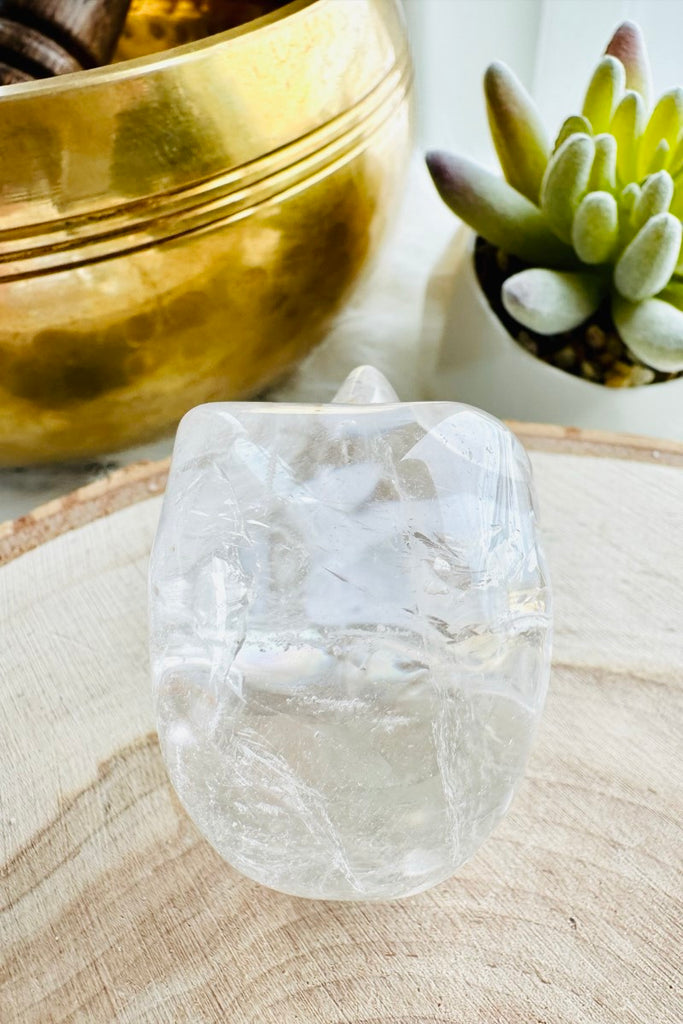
334 587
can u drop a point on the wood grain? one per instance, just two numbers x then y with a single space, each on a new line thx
114 909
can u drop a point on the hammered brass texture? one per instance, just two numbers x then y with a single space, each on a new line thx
182 228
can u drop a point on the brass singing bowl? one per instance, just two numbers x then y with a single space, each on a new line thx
182 227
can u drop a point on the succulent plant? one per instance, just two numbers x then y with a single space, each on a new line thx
596 215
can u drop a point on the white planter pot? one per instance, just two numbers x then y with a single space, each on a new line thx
479 363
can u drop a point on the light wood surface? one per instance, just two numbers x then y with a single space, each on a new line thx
114 909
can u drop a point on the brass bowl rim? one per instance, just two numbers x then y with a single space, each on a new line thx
67 243
68 238
157 61
57 240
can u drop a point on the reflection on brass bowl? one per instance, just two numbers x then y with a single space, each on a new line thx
181 228
155 25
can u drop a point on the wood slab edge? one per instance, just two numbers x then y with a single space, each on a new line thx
111 493
548 437
143 480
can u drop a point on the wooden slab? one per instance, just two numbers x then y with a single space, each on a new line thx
114 909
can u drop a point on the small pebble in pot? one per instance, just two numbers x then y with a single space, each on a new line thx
565 358
527 342
596 338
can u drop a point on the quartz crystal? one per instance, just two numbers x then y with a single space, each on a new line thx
350 633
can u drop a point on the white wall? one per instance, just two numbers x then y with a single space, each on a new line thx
453 41
552 45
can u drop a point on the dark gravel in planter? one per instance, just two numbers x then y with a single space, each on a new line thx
593 350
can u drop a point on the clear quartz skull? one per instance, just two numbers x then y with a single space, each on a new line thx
350 636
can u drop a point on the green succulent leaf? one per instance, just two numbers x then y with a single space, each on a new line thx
677 201
603 175
574 125
550 301
497 211
647 263
676 162
628 46
652 330
595 230
627 126
604 92
673 293
517 130
566 182
665 125
655 197
660 158
629 196
626 204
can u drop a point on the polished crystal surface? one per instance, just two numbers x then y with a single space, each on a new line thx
350 633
